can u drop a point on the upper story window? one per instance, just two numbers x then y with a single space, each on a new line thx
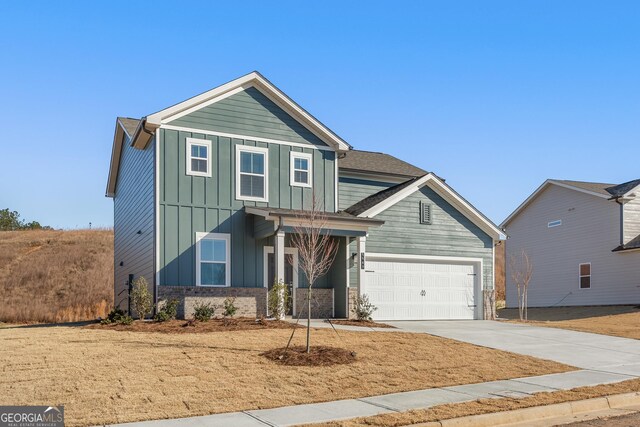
301 172
555 223
198 157
585 275
213 265
252 173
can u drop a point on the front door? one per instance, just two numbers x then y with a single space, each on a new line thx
289 276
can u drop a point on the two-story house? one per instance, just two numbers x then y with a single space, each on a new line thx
207 193
583 240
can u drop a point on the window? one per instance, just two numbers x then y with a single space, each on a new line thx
251 173
198 157
585 275
554 223
301 173
425 213
212 259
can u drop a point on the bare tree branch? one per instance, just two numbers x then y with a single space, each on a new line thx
521 272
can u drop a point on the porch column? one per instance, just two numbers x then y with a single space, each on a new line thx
361 262
278 255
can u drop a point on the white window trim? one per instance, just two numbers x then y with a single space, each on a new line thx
580 276
196 141
216 236
309 158
554 223
249 149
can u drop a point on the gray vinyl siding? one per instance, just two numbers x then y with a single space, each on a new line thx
352 190
133 212
190 204
249 113
590 230
631 220
450 234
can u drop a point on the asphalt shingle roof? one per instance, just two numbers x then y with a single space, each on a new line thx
596 187
622 189
371 201
632 244
369 161
129 124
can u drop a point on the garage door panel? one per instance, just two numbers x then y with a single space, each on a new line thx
404 290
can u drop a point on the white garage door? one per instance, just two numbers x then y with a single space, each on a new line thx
420 290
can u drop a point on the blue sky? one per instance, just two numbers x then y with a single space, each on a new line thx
493 96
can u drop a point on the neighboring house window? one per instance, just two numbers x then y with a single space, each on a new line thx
213 264
301 173
425 213
198 157
252 173
554 223
585 275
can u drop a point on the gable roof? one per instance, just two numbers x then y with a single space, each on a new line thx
373 162
624 188
253 79
374 199
381 201
125 129
596 189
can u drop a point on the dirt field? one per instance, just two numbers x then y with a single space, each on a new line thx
107 376
485 406
55 276
620 321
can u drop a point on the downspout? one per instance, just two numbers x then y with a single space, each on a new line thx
617 200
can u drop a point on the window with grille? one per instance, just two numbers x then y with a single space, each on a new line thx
198 157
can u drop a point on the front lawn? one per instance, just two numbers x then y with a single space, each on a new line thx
109 376
619 321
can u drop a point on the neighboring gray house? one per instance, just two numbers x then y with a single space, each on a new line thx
206 194
583 239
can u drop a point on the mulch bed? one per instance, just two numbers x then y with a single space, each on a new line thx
318 356
362 323
190 326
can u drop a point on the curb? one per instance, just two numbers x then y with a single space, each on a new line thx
536 413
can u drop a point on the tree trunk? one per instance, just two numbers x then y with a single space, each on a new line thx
309 319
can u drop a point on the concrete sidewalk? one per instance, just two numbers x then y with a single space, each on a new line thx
603 360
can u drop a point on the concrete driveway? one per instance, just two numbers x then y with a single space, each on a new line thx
580 349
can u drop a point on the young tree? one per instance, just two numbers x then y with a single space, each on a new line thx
521 271
316 250
141 298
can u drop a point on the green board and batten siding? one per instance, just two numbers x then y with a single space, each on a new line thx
449 234
190 204
133 219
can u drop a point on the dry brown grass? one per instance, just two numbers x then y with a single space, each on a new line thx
362 323
106 376
619 321
485 406
55 276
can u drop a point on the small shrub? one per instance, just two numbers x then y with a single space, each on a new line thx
117 316
363 309
141 299
278 300
229 307
203 311
168 311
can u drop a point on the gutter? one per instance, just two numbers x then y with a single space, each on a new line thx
143 134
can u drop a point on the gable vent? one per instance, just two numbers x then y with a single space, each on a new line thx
425 213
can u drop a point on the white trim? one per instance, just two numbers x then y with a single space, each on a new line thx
157 214
335 224
542 187
256 80
580 275
478 267
309 158
335 184
204 104
445 192
217 236
202 142
259 150
245 137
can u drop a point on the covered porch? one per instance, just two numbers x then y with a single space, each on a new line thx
331 294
